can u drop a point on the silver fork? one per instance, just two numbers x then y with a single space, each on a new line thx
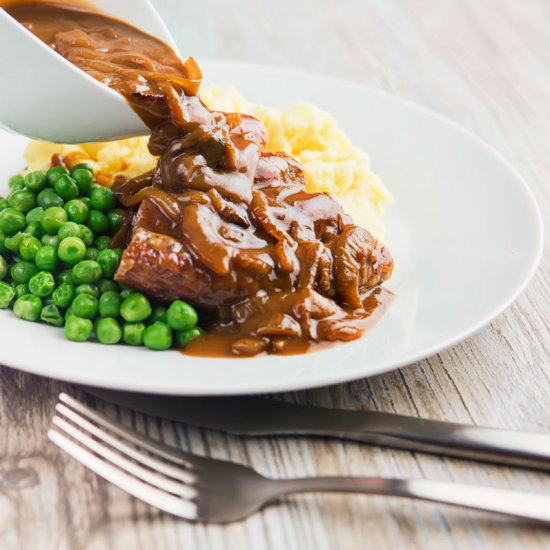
204 489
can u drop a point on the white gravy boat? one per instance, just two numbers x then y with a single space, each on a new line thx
44 96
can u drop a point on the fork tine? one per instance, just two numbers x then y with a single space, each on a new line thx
138 471
154 447
155 464
165 501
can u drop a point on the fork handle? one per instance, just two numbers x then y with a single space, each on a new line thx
501 501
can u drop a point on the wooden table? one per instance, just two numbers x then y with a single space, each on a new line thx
484 64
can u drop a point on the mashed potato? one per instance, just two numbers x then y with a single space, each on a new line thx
303 131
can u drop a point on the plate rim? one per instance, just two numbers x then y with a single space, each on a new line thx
254 386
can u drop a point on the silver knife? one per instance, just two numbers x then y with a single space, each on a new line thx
253 416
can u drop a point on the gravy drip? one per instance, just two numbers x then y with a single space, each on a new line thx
219 222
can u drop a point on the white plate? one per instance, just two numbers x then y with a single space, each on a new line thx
465 232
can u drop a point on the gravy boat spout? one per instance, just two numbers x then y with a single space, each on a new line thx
46 97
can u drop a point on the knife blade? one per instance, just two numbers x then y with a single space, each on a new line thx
255 417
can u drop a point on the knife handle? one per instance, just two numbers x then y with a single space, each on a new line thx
252 416
508 447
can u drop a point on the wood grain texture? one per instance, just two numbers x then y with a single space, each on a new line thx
484 64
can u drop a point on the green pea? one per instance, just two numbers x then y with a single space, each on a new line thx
13 243
12 221
16 182
2 245
108 331
83 178
42 284
28 307
69 229
23 200
64 276
159 314
53 218
127 292
82 165
46 258
21 289
132 333
34 229
4 268
4 204
29 247
109 304
91 253
97 221
51 240
103 198
71 250
21 272
87 201
53 173
77 211
135 308
87 288
114 217
78 329
108 260
48 198
158 336
47 300
181 316
183 337
85 306
64 295
66 187
36 181
103 242
7 294
86 271
51 315
35 214
106 285
87 235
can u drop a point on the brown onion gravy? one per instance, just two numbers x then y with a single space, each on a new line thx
219 222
